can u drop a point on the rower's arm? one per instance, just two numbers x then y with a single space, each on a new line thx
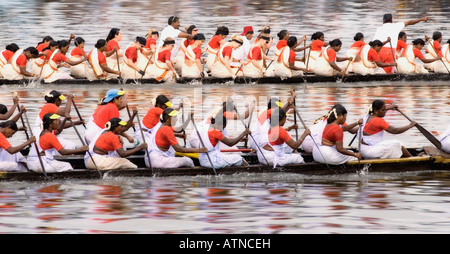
13 150
415 21
232 142
397 130
182 149
125 153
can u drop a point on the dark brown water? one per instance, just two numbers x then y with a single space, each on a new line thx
241 203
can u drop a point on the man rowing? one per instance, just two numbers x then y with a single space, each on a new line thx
10 157
392 30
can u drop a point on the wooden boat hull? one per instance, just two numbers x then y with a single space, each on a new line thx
351 78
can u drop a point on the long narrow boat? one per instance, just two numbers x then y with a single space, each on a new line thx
351 78
418 163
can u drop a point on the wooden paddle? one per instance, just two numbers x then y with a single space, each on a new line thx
129 115
78 113
203 144
118 65
35 145
83 143
148 63
143 139
426 133
23 123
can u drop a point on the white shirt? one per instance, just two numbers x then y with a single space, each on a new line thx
242 52
389 30
169 31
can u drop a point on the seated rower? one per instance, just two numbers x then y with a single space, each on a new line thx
373 145
401 44
107 148
113 53
407 64
6 113
192 63
10 157
318 127
444 138
181 54
287 66
48 142
163 144
17 69
97 68
254 67
355 48
51 71
434 49
215 44
44 43
133 67
367 61
326 63
77 54
222 67
331 150
162 69
6 55
211 135
39 62
317 44
114 100
444 68
277 139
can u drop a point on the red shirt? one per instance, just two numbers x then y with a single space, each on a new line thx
188 42
22 60
227 51
48 108
150 41
317 45
41 46
215 136
101 58
358 44
375 125
49 141
292 56
59 57
112 44
215 42
152 117
49 54
278 135
197 52
416 52
281 44
77 51
8 54
108 142
255 54
164 56
4 143
331 55
264 116
107 112
333 133
372 55
131 53
401 45
165 137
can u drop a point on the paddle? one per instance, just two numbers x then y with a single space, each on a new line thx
35 145
83 143
426 133
307 61
129 115
23 123
360 139
392 51
249 122
203 144
254 141
295 122
148 63
182 119
441 59
118 66
143 139
78 113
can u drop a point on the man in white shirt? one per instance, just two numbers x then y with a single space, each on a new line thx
391 30
242 52
173 31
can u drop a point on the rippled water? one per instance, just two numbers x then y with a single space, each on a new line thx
241 203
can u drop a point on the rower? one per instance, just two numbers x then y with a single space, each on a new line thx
326 63
254 67
163 144
355 48
222 67
6 113
10 157
444 68
444 138
50 145
51 71
181 54
407 64
373 145
401 44
277 139
114 55
318 42
367 61
172 30
192 62
331 150
162 69
318 127
39 62
97 69
212 135
392 30
133 61
287 66
434 49
107 148
215 44
241 53
78 53
44 43
150 46
6 55
17 69
54 100
114 100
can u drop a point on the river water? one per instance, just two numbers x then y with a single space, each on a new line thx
366 203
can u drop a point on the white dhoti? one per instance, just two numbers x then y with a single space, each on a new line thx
275 160
108 163
388 149
79 70
91 131
251 71
50 75
406 67
160 72
444 138
190 71
282 71
50 164
361 69
12 162
332 156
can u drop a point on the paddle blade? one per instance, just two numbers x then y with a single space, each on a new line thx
429 136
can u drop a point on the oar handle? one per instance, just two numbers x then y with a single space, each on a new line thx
203 144
143 140
129 115
23 123
78 113
35 145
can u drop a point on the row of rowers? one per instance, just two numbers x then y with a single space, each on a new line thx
240 56
271 140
